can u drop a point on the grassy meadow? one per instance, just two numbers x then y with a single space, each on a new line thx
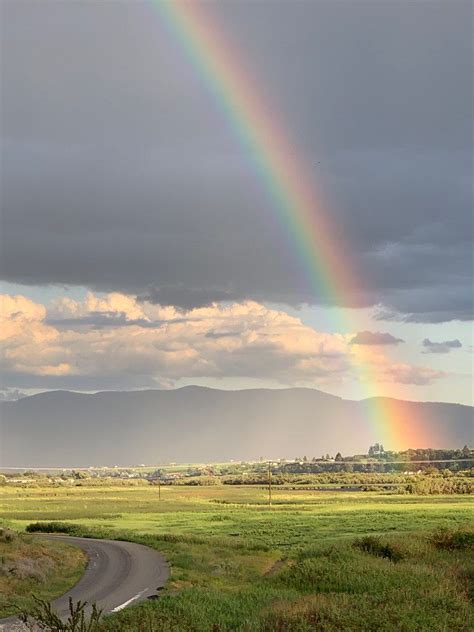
304 563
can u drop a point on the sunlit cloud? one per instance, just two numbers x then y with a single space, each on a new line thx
119 335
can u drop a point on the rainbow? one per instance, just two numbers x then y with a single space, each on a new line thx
292 191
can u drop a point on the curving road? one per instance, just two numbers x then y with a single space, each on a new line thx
118 574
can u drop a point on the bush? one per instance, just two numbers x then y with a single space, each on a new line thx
52 527
429 485
453 540
373 545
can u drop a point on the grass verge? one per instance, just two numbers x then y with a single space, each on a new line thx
29 565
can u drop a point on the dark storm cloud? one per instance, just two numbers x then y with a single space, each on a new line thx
435 304
440 347
375 338
120 172
187 298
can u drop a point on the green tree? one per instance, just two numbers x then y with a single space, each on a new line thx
376 449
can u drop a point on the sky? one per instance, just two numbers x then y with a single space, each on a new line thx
140 248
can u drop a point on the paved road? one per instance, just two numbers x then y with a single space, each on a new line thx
119 574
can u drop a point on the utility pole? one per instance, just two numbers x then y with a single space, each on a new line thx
269 484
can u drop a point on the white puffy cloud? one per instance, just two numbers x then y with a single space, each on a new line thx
118 335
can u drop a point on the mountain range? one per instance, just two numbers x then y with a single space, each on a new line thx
197 424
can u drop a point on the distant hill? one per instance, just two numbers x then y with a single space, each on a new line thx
195 424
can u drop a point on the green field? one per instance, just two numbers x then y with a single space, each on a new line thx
239 564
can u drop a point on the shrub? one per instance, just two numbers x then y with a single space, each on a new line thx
430 485
52 527
453 540
374 546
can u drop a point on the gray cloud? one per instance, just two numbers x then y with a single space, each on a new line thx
375 338
215 335
440 347
187 298
95 320
425 305
120 172
106 320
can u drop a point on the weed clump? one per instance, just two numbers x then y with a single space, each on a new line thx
43 616
374 546
7 535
